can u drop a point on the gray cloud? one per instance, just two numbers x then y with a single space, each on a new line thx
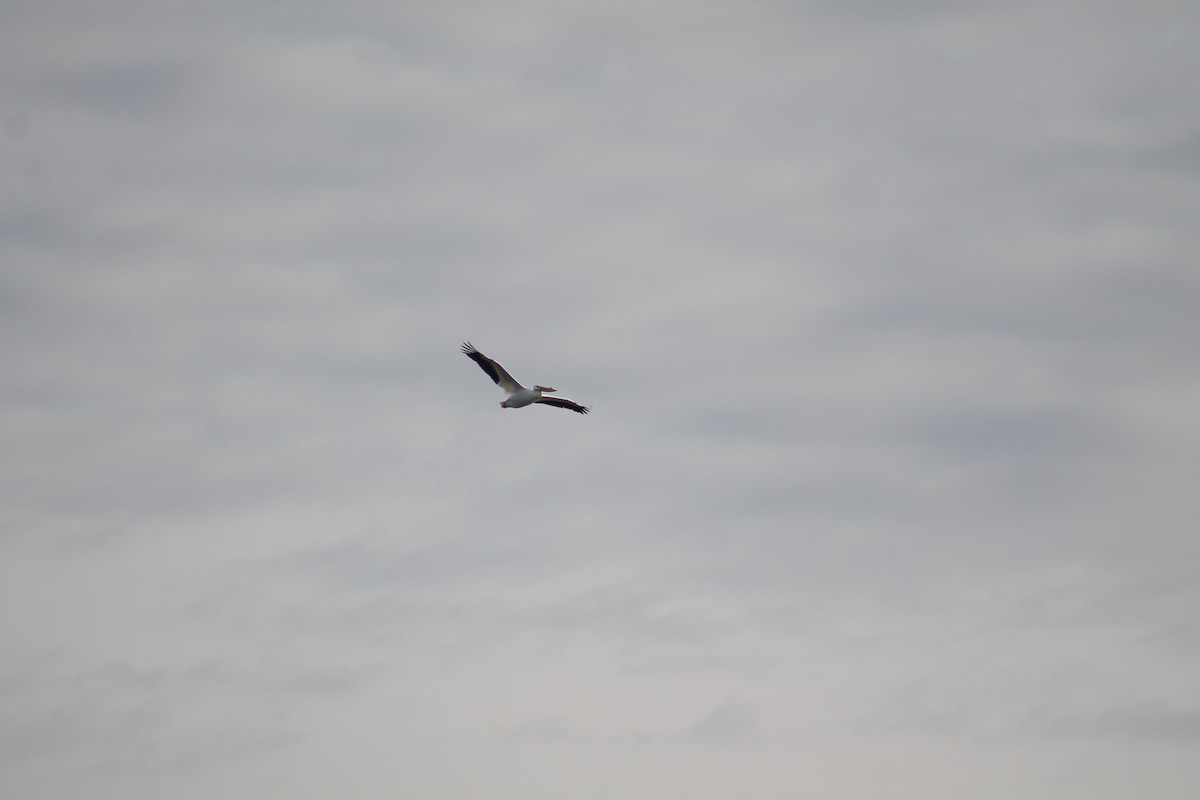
730 722
886 317
108 717
1142 725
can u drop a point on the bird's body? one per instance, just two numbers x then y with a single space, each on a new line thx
522 397
518 395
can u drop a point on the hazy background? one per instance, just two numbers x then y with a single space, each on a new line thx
888 313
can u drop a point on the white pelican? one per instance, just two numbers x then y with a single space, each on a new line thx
518 395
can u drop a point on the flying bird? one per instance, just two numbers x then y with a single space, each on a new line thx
518 395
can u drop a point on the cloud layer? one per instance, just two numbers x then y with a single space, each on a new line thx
887 319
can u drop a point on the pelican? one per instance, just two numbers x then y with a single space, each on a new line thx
518 395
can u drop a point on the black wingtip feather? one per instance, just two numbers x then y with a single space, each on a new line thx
479 358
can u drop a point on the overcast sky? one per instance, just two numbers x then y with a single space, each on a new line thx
887 313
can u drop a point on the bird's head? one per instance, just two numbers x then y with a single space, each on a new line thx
544 389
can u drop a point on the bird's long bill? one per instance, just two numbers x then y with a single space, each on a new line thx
544 389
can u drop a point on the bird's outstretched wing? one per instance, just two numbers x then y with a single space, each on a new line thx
493 369
563 402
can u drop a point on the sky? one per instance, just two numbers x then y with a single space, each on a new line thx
886 313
